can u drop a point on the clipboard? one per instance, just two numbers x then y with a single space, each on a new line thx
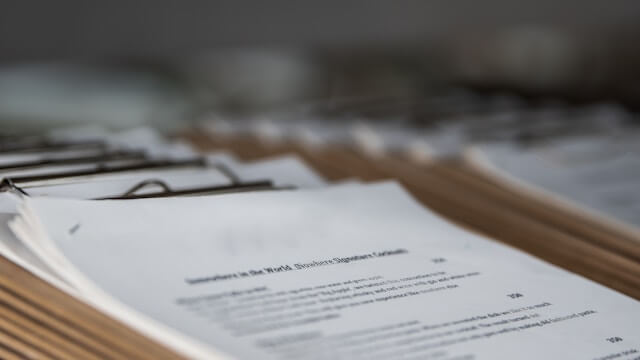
49 323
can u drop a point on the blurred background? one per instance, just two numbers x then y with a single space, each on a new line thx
165 63
549 90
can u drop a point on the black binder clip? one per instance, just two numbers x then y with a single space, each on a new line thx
104 157
17 184
235 186
36 144
106 169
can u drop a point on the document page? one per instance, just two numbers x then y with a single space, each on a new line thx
602 174
346 272
284 170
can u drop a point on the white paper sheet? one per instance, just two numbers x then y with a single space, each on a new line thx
599 173
285 170
282 170
343 272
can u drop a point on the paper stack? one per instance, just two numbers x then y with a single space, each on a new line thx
129 246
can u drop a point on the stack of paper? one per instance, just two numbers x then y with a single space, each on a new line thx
267 260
